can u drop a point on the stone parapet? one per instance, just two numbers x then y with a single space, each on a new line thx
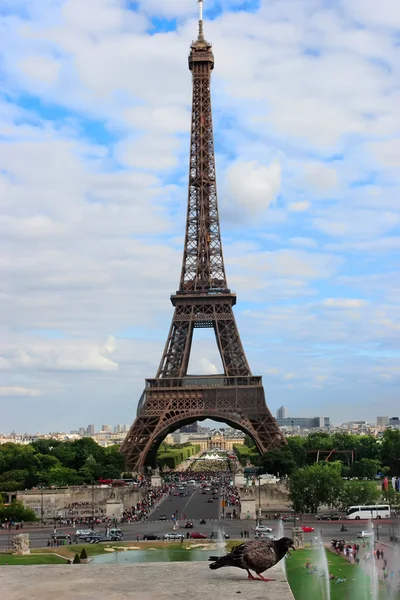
150 581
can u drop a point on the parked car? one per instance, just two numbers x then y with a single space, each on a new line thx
196 535
307 529
215 497
151 536
173 536
263 528
163 518
189 525
364 534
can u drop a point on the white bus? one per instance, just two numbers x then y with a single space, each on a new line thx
373 511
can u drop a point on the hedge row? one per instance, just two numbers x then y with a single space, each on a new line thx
172 457
244 454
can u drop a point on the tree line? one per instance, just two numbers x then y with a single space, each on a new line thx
361 456
334 470
55 463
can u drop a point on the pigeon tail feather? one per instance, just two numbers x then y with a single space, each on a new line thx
221 561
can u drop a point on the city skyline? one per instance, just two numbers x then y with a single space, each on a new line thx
93 192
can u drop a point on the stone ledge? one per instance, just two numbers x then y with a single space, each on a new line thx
158 581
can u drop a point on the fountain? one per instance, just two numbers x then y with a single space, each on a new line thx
321 563
281 534
394 563
373 571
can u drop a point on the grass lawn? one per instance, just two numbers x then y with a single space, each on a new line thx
306 586
32 559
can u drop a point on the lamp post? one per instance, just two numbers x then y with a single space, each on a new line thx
92 505
41 506
259 500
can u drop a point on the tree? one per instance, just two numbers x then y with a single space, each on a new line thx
366 467
77 560
16 511
248 441
391 450
315 485
354 493
59 476
83 554
278 461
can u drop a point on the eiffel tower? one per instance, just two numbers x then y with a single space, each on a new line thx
174 398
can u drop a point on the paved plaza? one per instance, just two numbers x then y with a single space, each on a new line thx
158 581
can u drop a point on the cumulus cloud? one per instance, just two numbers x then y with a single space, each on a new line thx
11 391
253 186
298 206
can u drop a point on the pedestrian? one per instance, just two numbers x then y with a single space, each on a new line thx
241 534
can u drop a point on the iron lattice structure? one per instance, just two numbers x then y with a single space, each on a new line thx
174 398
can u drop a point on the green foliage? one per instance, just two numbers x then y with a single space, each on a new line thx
51 462
390 451
366 467
16 512
172 456
354 492
77 560
246 454
315 485
83 554
278 461
248 441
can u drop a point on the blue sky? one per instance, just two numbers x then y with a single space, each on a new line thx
94 123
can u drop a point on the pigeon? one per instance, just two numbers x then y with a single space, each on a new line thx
257 555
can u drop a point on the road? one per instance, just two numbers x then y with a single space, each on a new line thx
195 506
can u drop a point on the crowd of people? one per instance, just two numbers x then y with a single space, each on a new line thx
141 510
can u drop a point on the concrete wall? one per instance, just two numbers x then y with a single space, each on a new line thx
58 502
273 496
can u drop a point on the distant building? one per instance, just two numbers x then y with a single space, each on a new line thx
90 429
82 431
305 422
106 428
180 438
281 413
382 421
192 428
394 422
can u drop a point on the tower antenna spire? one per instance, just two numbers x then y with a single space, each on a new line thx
201 32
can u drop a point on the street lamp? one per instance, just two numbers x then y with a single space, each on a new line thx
41 506
259 500
92 505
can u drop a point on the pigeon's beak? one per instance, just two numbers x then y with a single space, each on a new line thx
293 548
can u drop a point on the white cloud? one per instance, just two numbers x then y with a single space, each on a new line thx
387 152
344 302
12 391
42 68
320 177
299 206
303 241
253 186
